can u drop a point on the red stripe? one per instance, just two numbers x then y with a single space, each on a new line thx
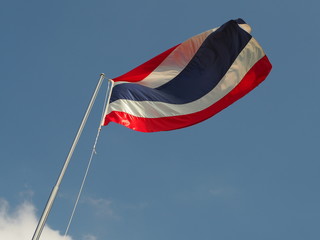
251 80
142 71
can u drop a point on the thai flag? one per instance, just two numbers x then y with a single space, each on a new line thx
190 82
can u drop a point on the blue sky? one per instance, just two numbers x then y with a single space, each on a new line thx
251 172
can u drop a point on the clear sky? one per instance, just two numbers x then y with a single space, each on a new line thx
251 172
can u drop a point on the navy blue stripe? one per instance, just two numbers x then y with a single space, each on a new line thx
240 21
200 76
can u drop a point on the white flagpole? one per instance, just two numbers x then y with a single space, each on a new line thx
55 189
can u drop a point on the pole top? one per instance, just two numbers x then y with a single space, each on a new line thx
102 74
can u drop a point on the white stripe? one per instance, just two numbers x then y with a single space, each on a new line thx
149 109
245 27
177 60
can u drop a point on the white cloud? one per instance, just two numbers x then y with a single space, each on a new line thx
27 194
102 206
89 237
216 192
222 192
21 223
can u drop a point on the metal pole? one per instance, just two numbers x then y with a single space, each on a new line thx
55 189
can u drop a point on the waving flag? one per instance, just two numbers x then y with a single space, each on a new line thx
190 82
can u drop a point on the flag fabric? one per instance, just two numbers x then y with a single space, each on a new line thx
190 82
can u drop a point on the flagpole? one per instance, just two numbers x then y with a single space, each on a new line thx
55 189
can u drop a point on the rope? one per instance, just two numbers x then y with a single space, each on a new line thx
93 152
